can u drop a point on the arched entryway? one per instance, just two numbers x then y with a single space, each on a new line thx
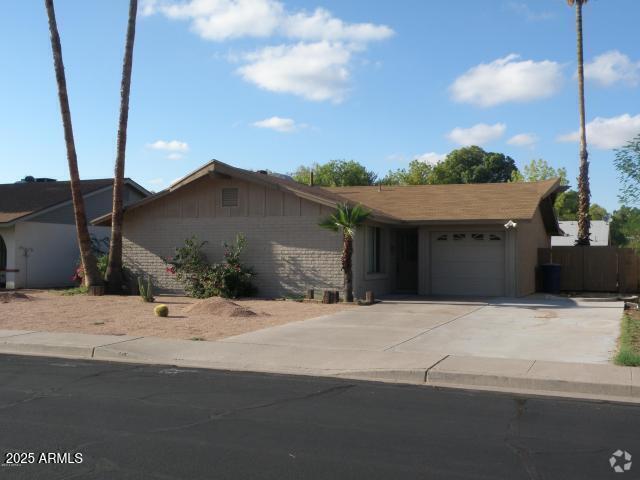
3 263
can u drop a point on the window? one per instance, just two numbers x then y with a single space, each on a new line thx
374 244
442 238
478 236
493 237
459 236
229 197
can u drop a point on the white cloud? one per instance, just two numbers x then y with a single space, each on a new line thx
523 140
523 9
479 134
321 25
316 71
169 146
279 124
612 67
432 158
507 80
156 182
175 156
608 133
223 19
317 67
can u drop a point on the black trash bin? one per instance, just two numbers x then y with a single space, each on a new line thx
551 278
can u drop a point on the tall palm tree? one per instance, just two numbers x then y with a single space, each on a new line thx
346 218
114 275
584 193
91 274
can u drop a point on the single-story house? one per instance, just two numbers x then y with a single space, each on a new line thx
473 239
599 230
38 240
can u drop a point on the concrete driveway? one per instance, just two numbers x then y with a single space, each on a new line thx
538 327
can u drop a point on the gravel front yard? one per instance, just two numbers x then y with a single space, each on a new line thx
117 315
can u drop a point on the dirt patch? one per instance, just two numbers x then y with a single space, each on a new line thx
220 307
118 315
8 297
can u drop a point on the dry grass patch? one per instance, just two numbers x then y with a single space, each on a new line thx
189 318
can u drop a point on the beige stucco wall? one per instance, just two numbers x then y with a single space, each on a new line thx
52 253
530 236
285 246
379 283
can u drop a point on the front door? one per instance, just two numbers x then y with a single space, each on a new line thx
407 260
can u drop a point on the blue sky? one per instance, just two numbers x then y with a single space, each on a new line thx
278 83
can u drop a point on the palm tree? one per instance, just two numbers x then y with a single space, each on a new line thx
584 193
346 218
91 274
114 275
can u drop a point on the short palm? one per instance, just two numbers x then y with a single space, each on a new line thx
346 219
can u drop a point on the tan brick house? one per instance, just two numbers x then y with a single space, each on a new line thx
474 239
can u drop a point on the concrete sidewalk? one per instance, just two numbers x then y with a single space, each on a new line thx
580 380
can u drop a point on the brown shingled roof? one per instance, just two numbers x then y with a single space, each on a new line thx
458 202
18 200
420 203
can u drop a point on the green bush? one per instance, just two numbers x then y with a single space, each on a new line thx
200 279
161 311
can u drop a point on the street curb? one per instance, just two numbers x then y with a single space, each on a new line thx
459 379
409 376
575 380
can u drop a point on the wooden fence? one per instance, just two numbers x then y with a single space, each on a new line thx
595 269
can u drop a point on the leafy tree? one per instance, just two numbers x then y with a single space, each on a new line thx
537 170
596 212
627 163
566 207
346 219
336 173
418 173
625 227
114 275
473 165
584 192
92 276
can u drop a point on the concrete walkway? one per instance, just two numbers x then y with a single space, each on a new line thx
539 327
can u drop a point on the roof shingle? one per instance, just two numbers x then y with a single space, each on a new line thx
21 199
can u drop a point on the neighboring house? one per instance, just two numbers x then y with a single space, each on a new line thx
431 239
38 241
599 230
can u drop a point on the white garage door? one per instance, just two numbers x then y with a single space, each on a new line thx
467 263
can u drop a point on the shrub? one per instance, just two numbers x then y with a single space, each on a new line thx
161 311
146 291
200 279
100 248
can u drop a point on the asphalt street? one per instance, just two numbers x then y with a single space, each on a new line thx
161 422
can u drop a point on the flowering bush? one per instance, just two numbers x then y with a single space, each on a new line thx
200 279
102 261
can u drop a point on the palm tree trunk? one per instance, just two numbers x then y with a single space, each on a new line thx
347 254
584 193
91 274
114 275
